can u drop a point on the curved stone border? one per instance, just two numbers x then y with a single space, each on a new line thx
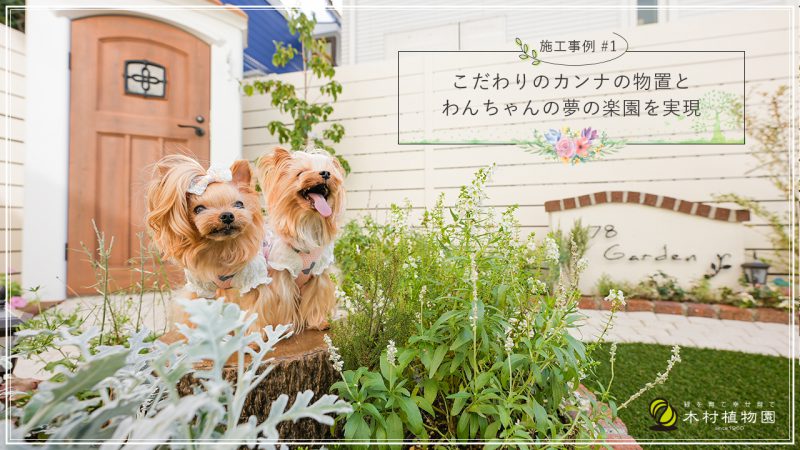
714 311
656 201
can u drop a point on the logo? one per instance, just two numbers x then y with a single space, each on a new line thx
664 415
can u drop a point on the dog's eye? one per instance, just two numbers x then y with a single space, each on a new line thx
238 204
199 208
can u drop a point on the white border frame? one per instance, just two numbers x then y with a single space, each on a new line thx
793 172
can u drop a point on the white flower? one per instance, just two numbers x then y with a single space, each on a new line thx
473 278
333 354
342 298
538 286
391 352
582 264
615 296
661 377
551 251
509 343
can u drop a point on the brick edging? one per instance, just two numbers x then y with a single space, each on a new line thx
617 436
656 201
714 311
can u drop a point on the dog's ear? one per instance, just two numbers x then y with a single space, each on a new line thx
241 172
338 165
267 162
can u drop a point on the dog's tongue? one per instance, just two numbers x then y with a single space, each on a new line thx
320 204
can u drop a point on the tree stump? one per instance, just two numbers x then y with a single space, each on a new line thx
300 363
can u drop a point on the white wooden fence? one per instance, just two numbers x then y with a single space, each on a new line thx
12 107
385 173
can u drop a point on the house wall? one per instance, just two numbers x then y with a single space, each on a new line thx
373 33
12 176
385 172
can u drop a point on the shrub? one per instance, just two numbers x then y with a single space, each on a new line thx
484 351
307 117
128 392
605 285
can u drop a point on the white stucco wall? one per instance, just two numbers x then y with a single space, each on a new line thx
629 242
47 135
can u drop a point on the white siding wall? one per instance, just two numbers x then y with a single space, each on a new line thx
371 32
384 172
12 106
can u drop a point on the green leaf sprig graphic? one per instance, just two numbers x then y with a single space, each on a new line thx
527 52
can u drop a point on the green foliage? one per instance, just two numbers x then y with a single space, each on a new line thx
571 247
306 114
771 136
39 335
701 291
16 17
13 288
121 311
661 286
128 392
487 354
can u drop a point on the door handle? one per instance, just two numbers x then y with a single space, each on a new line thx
197 130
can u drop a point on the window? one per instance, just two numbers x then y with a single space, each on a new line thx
646 12
330 49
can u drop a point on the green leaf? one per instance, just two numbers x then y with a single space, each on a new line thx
394 427
464 336
356 427
491 430
413 416
459 401
429 390
373 411
436 361
424 404
539 416
462 427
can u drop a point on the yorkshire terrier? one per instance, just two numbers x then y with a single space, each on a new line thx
209 222
305 196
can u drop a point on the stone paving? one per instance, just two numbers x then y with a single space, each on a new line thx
671 329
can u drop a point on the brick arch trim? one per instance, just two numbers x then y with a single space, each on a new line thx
653 200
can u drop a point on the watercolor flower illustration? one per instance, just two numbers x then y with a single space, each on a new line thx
572 146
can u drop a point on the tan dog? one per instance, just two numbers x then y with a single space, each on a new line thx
304 194
210 223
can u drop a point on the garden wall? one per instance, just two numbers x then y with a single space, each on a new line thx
384 172
12 107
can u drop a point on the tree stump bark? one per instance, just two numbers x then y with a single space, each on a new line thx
300 363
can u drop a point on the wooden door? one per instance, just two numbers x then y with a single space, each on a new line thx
120 124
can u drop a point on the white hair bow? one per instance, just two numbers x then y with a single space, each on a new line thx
213 175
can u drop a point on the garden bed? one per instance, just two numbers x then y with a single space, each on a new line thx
714 311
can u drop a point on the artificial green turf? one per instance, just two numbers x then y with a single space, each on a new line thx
702 376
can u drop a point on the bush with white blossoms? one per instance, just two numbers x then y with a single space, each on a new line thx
482 349
126 395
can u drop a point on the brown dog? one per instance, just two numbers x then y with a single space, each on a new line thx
305 196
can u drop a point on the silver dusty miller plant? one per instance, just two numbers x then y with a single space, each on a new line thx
127 397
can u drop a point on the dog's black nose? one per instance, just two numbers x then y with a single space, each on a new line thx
226 217
325 174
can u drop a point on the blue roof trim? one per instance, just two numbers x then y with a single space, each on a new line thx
265 26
